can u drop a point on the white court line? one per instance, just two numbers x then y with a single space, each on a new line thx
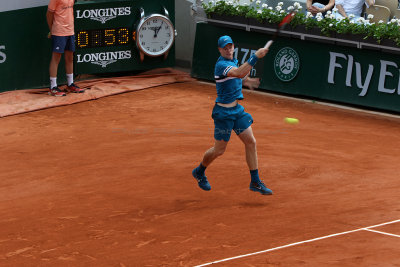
301 242
381 224
383 233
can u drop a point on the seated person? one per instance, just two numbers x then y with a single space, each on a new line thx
355 7
320 6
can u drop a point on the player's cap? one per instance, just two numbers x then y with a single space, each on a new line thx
224 40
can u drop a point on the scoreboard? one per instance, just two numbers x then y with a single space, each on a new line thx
105 35
102 37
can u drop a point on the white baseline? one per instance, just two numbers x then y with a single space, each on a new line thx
307 241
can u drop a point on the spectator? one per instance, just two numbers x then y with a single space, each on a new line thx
355 7
319 6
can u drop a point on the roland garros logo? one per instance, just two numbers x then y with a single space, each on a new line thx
103 59
103 14
286 64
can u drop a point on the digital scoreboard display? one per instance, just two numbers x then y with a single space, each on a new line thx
103 37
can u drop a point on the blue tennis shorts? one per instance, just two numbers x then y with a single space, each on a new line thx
228 119
62 43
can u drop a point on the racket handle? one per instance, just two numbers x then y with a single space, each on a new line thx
268 44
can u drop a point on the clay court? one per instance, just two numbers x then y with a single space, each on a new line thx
108 183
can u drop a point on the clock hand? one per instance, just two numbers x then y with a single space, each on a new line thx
155 31
159 28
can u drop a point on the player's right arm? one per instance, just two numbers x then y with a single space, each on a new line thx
50 14
50 18
245 68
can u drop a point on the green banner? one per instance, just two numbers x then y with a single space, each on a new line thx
305 68
25 50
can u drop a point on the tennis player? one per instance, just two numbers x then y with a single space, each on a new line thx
60 18
229 115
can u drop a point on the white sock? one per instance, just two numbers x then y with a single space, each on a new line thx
53 82
70 79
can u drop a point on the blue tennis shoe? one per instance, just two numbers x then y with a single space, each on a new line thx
201 180
260 187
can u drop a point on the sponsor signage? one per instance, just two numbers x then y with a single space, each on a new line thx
3 55
104 34
297 67
104 14
242 53
286 64
385 71
103 59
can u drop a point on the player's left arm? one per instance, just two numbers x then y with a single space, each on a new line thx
251 83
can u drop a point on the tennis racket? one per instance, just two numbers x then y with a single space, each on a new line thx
281 25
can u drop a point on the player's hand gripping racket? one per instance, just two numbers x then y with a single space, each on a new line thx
281 25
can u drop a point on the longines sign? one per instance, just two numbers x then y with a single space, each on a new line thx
103 14
103 59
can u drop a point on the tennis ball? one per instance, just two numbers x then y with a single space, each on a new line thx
291 120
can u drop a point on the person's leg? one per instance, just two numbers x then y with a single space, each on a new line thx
69 68
53 68
69 61
55 60
58 44
242 128
69 65
214 152
211 154
245 132
249 142
222 133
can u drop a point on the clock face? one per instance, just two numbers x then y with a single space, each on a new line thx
155 35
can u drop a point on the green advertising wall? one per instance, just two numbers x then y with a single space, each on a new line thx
305 68
97 16
25 50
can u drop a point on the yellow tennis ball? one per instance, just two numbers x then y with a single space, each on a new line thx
291 120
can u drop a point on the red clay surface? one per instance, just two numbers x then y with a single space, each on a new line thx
108 183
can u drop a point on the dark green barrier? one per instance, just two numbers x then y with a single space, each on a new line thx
25 50
305 68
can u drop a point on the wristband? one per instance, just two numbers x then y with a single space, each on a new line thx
252 60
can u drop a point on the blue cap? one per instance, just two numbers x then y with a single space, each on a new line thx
224 40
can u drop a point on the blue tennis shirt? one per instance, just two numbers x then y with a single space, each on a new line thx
228 88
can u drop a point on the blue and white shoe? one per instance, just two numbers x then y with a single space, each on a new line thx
201 180
260 187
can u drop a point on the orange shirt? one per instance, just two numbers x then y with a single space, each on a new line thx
63 22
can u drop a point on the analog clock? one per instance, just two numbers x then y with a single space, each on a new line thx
155 35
